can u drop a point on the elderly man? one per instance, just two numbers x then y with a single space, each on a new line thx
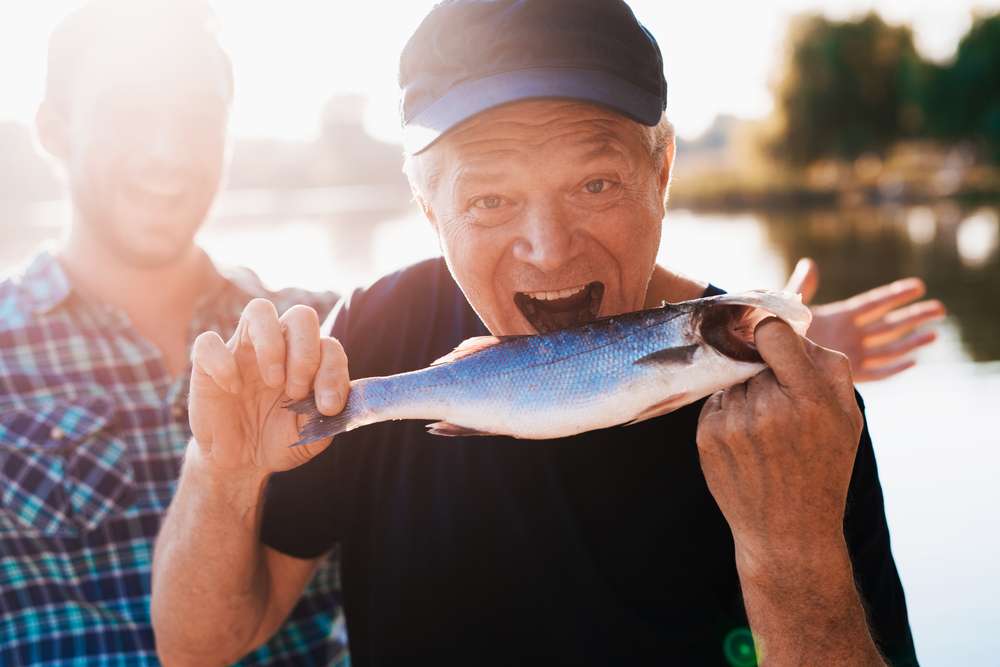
95 339
539 151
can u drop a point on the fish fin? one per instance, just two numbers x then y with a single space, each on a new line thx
453 430
467 347
669 404
670 355
320 426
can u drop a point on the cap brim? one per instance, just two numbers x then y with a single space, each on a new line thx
473 97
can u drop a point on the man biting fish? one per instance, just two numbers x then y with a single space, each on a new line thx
752 522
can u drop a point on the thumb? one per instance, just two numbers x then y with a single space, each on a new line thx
804 279
783 350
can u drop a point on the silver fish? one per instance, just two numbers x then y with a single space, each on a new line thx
616 370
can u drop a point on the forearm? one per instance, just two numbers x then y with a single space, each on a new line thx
210 580
805 609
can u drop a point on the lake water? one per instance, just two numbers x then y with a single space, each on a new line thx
936 428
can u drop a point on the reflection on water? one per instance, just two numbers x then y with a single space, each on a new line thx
935 427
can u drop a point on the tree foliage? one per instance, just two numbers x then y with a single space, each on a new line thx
963 99
847 88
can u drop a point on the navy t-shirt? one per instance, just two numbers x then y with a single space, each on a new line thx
602 548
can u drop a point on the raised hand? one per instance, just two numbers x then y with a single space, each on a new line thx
239 388
878 330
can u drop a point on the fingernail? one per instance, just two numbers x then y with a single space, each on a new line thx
329 400
275 374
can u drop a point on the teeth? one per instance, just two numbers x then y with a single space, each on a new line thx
556 294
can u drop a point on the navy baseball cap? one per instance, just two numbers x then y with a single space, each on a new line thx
468 56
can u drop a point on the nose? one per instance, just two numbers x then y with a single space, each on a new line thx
166 147
548 239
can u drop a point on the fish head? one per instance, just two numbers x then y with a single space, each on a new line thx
726 323
711 341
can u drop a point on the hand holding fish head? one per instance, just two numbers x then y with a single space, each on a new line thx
778 450
239 389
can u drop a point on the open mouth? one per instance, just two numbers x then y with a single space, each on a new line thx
558 309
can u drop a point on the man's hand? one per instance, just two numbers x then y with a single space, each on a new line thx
210 570
877 329
238 388
778 450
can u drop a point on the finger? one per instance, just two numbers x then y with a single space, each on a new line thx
871 305
782 349
884 354
300 325
734 399
713 404
804 279
263 332
210 356
332 382
901 322
883 372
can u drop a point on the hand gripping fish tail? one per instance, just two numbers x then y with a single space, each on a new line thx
320 426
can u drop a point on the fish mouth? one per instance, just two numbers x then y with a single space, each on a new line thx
551 310
729 329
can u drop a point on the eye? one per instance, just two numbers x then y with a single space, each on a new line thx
597 186
488 202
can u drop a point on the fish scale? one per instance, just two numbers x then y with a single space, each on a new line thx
607 372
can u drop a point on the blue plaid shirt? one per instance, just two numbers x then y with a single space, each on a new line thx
92 431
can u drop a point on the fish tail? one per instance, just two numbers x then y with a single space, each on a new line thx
320 426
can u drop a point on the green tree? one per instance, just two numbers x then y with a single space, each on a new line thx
963 101
847 88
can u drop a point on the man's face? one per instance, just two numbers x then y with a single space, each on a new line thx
146 144
548 213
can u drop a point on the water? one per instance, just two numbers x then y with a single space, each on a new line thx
936 428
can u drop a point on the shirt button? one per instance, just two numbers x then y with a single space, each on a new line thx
177 411
57 433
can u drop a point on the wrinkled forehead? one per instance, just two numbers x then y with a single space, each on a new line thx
530 132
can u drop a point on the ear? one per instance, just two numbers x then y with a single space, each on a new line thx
52 129
426 209
666 169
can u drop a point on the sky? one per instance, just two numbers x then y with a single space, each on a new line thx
290 57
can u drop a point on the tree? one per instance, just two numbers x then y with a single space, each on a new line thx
847 88
964 96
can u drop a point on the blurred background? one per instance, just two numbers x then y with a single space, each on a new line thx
865 134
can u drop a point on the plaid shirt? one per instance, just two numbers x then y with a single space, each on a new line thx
92 431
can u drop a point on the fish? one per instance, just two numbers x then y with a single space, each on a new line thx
617 370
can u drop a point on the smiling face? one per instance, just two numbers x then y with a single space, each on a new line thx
143 142
548 212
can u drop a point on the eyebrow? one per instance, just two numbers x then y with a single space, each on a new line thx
603 148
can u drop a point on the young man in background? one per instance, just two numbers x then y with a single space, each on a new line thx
95 340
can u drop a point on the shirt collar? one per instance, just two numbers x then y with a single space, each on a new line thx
45 284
